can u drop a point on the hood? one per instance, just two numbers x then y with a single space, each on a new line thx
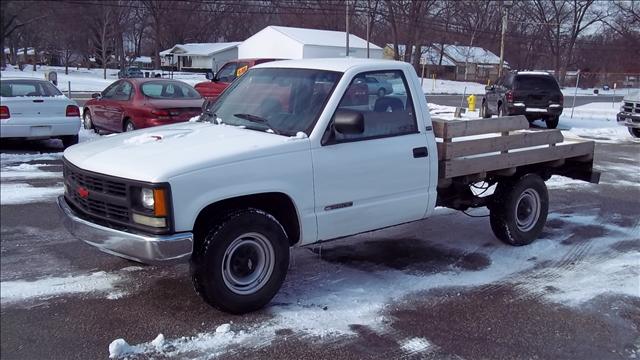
159 153
634 97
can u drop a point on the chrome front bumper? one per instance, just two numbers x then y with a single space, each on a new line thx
148 249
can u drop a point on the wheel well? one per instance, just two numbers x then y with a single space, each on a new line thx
278 205
85 110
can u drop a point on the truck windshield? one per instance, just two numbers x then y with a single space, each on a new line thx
282 101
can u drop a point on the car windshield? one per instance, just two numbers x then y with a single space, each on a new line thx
535 83
282 101
13 88
166 89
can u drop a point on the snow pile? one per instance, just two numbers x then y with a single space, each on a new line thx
28 171
7 159
20 290
20 193
415 345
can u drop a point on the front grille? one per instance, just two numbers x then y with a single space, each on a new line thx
631 107
98 184
107 197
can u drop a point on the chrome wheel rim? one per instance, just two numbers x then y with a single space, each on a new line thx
248 263
129 127
527 211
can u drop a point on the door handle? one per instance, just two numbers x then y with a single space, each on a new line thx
420 152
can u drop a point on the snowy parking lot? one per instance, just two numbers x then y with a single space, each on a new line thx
442 288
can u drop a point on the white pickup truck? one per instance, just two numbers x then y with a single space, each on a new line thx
294 153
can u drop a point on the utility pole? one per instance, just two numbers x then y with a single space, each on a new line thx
347 26
505 15
368 33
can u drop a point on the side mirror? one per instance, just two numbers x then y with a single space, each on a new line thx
348 122
489 87
210 75
96 96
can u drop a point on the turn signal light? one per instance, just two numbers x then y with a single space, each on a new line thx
73 110
160 201
4 112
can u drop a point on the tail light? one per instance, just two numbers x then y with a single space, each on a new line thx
4 112
161 114
73 110
509 96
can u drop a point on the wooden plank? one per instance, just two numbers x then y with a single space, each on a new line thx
519 140
448 129
467 166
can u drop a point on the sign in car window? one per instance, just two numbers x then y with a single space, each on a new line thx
241 70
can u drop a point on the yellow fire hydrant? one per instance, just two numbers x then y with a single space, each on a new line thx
471 100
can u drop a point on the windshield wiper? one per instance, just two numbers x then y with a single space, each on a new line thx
259 120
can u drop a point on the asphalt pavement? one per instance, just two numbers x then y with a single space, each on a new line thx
442 288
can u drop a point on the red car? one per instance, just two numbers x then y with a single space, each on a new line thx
130 104
230 71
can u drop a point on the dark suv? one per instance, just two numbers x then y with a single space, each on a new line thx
534 94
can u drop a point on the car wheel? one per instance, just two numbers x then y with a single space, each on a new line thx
635 132
242 261
552 122
500 110
69 140
518 210
87 120
485 110
382 92
128 126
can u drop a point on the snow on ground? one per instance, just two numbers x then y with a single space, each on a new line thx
86 80
20 290
437 86
320 300
28 171
21 193
570 91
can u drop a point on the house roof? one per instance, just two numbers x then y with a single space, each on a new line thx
430 53
199 49
472 54
322 37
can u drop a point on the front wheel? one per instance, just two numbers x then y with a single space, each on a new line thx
519 210
242 262
87 120
635 132
501 112
485 110
552 122
128 126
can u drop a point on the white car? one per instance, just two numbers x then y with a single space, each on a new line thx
35 109
629 114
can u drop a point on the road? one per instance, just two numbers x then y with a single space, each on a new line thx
442 288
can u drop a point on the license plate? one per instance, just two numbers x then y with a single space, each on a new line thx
535 110
40 130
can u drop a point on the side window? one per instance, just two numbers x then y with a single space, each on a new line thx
123 91
110 91
390 115
227 73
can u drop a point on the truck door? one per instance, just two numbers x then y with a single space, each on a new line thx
377 178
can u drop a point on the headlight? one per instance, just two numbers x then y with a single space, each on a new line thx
146 198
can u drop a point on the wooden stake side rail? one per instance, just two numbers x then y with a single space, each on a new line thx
512 146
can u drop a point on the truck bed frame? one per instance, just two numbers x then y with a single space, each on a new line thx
498 149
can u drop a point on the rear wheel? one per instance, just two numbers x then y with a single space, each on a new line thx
552 122
128 126
87 120
519 210
242 262
69 140
485 110
635 132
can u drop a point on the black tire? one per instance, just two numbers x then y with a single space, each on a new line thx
635 132
219 270
382 92
485 110
69 140
87 120
552 122
501 110
128 126
519 210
